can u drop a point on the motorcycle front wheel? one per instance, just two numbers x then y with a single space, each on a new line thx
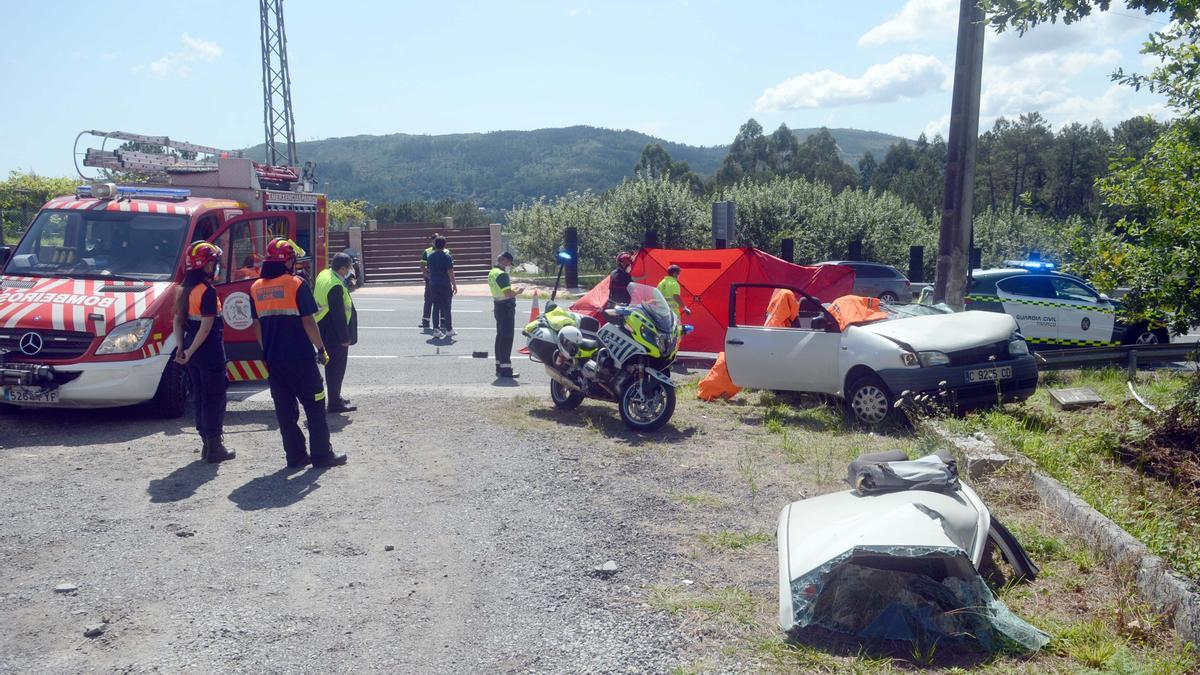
646 404
564 398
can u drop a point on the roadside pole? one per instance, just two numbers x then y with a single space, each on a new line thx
954 241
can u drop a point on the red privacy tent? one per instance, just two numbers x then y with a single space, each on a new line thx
706 277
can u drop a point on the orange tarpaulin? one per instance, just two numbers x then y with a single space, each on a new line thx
783 309
849 310
705 280
716 384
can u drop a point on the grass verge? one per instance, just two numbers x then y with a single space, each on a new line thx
1083 450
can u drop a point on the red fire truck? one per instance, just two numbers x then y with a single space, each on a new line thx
87 296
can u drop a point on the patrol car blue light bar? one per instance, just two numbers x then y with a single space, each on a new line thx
109 191
1029 264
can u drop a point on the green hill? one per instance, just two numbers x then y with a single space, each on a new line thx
503 168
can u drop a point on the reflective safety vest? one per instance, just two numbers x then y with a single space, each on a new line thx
276 297
494 284
426 252
194 299
669 287
328 280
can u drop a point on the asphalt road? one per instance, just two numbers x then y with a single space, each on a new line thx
393 352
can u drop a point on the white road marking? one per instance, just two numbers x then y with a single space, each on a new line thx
418 329
374 356
364 309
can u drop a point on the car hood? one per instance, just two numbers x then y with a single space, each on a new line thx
946 332
86 305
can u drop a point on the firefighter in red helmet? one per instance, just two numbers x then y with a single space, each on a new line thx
283 307
619 280
200 347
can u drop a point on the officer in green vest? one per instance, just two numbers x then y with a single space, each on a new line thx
504 302
338 321
428 306
671 290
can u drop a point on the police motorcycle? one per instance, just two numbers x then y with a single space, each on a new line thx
627 360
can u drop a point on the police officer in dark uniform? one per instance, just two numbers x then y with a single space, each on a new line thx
283 307
504 302
338 321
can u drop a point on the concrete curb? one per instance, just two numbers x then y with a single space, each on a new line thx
1157 586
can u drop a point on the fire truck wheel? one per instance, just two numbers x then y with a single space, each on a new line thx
171 398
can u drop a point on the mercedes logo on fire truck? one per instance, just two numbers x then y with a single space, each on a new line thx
30 344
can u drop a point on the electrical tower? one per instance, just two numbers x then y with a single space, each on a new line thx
277 87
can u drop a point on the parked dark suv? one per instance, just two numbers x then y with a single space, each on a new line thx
876 280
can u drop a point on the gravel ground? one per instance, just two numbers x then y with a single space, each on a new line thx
249 568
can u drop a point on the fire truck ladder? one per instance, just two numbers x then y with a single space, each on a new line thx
277 87
173 157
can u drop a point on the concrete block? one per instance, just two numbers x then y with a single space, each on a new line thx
1075 398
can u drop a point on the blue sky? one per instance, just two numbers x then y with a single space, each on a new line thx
690 71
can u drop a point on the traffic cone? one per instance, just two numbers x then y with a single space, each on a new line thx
534 312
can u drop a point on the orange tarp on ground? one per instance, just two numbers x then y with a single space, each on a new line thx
716 384
849 310
705 280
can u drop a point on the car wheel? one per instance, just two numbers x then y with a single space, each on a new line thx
1143 335
564 398
170 400
869 401
889 297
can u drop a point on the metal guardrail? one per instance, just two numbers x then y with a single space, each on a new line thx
1130 356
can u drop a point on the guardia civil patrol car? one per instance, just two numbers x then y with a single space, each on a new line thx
1054 309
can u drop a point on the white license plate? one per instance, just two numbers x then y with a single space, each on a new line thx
989 374
30 395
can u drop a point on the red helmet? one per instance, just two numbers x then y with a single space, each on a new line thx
201 253
283 250
624 259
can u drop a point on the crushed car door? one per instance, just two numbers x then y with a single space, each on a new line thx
800 358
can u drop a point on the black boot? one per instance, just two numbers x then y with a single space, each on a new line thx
204 450
217 452
506 371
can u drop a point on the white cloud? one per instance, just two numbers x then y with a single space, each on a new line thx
904 77
1039 81
1100 29
179 62
578 11
917 20
1116 104
938 127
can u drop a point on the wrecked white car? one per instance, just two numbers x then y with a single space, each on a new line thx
965 359
897 558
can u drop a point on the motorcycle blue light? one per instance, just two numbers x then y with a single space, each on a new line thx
564 257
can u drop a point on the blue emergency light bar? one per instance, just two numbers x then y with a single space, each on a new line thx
110 191
1029 264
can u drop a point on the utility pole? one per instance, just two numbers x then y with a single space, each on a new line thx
277 87
954 242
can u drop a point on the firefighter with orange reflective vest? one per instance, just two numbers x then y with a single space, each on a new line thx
283 307
201 348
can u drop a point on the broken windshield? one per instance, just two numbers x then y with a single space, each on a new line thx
101 245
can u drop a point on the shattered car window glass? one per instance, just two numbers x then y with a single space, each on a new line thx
874 593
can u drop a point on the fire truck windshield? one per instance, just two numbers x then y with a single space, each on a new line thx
101 245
